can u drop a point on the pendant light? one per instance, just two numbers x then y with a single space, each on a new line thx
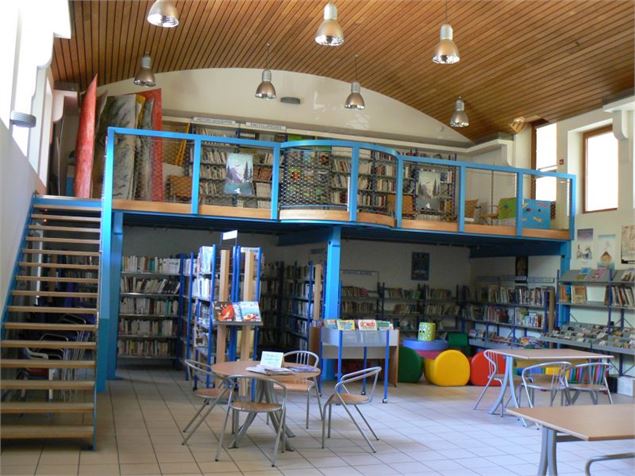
265 89
459 117
163 13
330 32
355 99
446 51
145 76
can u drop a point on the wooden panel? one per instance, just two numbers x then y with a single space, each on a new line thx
376 219
141 205
429 225
47 344
490 229
36 326
518 57
55 294
46 364
45 407
537 233
41 216
37 432
20 384
53 310
301 214
220 211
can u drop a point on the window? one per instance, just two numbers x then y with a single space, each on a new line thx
545 153
600 170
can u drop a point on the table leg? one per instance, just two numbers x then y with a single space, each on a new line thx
503 388
552 462
544 444
509 369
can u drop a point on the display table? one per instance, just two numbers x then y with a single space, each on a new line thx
579 422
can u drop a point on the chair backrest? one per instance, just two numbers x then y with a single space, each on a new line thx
491 362
593 373
302 357
239 390
198 370
371 372
558 371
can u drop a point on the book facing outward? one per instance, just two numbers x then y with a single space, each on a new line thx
249 311
270 364
243 311
367 324
578 295
345 325
224 312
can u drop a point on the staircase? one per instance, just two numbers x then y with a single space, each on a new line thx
49 326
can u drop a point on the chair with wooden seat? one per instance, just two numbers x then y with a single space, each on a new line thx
304 386
211 396
342 396
590 378
547 377
245 400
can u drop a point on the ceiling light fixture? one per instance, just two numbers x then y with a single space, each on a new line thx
355 99
145 76
265 89
459 117
446 51
163 13
330 32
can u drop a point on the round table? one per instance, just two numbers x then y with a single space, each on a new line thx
264 393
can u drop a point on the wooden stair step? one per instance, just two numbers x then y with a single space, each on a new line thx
33 251
28 432
81 267
76 208
55 294
47 344
76 241
53 310
46 407
42 326
42 384
41 216
46 364
77 229
53 279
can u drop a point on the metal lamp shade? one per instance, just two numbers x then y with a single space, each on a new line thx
459 117
330 32
265 89
163 13
355 99
145 76
446 51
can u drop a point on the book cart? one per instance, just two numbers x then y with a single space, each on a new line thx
362 344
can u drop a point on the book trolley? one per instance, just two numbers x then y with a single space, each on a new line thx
364 344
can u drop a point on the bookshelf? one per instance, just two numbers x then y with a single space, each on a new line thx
403 307
300 303
360 303
271 334
151 293
508 313
596 290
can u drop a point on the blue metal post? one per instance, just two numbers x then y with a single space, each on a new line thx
188 322
105 311
116 249
340 349
462 192
353 184
565 263
386 366
520 177
275 182
210 326
399 192
332 286
572 207
235 296
196 175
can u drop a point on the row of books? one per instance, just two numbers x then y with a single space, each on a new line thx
620 295
355 291
204 260
353 307
149 306
296 307
299 289
403 308
211 172
369 200
135 284
145 348
150 264
361 324
295 272
596 335
441 309
599 275
534 296
263 173
202 288
147 327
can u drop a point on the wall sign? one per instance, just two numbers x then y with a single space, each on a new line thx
420 270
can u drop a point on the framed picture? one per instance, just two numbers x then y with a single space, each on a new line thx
420 266
239 174
522 269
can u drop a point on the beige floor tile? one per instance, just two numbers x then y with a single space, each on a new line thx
180 457
17 469
56 469
139 468
98 469
139 457
51 456
218 467
20 458
99 457
176 468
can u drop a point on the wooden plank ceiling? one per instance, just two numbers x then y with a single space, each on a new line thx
541 58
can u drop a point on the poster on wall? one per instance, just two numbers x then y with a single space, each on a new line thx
607 251
522 269
628 244
428 190
584 247
420 270
239 174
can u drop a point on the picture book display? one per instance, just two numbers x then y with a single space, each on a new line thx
243 311
367 324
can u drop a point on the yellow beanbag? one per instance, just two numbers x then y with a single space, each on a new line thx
450 369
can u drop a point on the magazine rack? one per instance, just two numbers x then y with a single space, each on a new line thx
356 344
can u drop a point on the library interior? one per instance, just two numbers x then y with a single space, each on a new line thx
317 237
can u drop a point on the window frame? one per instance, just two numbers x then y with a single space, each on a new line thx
583 173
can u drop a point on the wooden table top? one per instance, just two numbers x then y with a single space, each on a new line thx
587 422
550 354
239 367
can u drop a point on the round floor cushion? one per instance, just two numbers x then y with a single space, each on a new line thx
479 369
450 369
410 368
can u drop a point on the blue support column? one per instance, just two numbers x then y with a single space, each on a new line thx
332 286
565 263
461 208
275 183
116 251
520 177
399 193
196 176
572 208
353 185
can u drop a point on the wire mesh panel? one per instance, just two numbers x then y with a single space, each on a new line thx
377 182
492 196
429 192
316 177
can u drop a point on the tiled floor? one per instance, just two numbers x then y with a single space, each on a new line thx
423 430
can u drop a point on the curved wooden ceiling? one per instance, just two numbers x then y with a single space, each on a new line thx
541 58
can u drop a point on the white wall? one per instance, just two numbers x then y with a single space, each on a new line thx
230 92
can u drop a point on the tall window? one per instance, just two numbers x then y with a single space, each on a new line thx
600 170
545 161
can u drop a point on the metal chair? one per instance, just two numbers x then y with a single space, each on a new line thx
241 399
494 375
345 398
305 385
210 396
553 383
591 378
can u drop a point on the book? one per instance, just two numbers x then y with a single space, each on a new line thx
345 325
578 295
330 323
599 274
367 324
249 311
384 325
263 369
224 312
565 293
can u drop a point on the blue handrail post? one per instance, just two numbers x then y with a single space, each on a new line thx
520 177
462 192
196 176
332 286
275 183
353 184
386 366
572 207
399 192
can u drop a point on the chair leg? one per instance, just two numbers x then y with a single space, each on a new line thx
199 422
222 434
317 394
308 401
366 421
359 428
608 394
205 402
278 437
330 416
480 397
323 426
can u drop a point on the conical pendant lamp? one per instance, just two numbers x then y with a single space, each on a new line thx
459 117
265 89
163 13
145 76
355 99
446 51
330 32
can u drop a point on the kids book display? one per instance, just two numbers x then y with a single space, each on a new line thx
237 312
